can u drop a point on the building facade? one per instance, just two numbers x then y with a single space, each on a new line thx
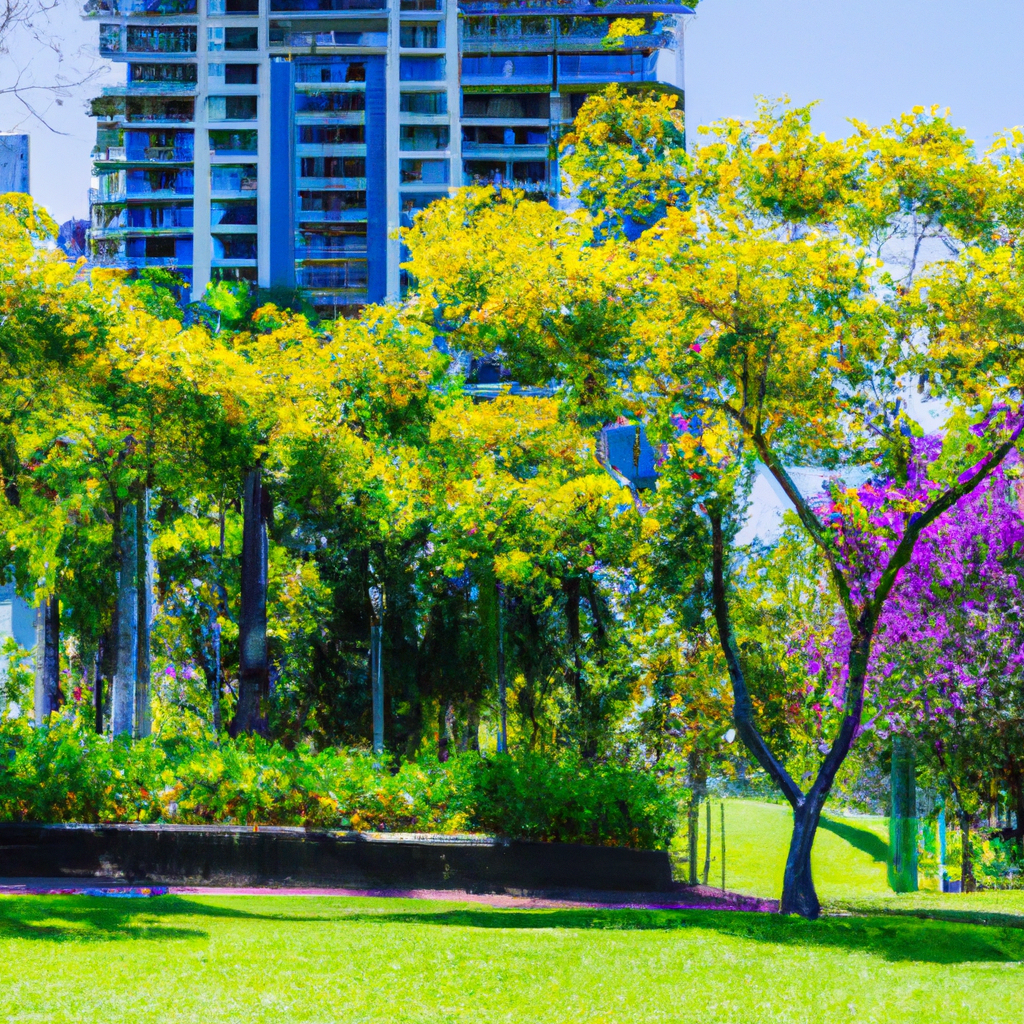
283 142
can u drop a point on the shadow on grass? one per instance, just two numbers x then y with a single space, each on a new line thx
898 936
859 838
902 939
105 919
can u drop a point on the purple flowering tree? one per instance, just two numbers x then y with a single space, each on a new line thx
947 662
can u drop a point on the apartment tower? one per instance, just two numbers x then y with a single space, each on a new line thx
283 142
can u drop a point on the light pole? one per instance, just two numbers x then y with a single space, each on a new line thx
377 666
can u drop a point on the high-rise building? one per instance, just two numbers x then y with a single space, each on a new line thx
283 142
13 162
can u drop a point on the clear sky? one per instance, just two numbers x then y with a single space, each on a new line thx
868 59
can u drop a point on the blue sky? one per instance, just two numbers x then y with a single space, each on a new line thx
868 59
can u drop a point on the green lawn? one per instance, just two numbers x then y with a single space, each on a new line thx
292 959
848 860
304 959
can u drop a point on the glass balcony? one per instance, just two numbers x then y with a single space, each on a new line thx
510 70
607 67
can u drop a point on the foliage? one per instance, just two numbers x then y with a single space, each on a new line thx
68 773
775 311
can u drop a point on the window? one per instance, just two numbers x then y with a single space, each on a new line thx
232 213
232 108
423 103
421 5
333 167
329 102
184 73
420 36
523 105
146 108
110 38
332 135
426 172
241 38
424 136
576 101
332 242
240 74
159 216
166 179
159 248
233 7
158 144
234 247
421 69
233 142
530 170
412 203
332 71
233 274
507 136
233 177
327 202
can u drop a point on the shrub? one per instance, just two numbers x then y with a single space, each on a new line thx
67 773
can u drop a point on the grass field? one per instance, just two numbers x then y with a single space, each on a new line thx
304 959
849 855
293 960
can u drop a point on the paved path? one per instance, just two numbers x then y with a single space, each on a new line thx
680 898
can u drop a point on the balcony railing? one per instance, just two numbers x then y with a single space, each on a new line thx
150 89
322 252
582 7
114 195
313 6
127 8
310 39
355 215
346 275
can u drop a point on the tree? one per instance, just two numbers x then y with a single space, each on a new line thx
947 664
793 289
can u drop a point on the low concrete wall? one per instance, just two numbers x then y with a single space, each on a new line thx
236 855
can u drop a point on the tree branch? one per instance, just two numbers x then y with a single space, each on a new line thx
743 709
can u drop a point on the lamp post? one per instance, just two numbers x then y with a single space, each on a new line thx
377 666
502 691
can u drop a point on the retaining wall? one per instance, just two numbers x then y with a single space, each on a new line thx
240 856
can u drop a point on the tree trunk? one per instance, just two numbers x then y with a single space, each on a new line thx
471 734
253 666
1017 803
47 675
106 665
146 577
903 817
967 880
698 786
798 893
445 720
571 589
122 702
